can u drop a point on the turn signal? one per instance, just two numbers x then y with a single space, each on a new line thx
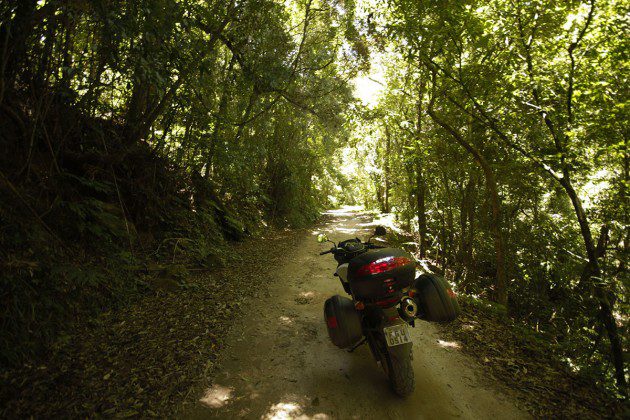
382 265
359 306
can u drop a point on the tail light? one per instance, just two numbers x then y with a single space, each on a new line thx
382 265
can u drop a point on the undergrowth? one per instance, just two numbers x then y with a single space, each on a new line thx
80 221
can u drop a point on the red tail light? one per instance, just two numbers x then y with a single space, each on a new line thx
382 265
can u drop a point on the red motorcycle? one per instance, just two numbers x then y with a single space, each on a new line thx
386 298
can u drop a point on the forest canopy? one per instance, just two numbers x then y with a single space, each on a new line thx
496 132
500 137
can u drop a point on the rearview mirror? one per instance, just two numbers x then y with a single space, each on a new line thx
321 238
380 231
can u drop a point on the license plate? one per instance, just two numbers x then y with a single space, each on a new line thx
397 334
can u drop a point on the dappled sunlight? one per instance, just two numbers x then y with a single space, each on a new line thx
341 215
290 410
410 244
449 344
217 396
344 211
346 231
425 266
283 410
388 220
224 207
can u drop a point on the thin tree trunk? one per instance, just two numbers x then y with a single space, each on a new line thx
421 210
246 114
592 275
388 143
216 130
15 34
420 180
466 214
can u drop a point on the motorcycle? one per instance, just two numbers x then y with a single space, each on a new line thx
385 300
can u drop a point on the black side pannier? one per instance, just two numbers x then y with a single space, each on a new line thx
343 321
435 298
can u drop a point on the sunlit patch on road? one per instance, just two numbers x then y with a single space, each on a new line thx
290 410
217 396
346 231
344 211
449 344
283 410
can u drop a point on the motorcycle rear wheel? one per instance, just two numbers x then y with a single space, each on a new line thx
399 371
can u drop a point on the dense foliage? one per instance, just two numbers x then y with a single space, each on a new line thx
501 139
135 131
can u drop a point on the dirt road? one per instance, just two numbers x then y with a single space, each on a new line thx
279 362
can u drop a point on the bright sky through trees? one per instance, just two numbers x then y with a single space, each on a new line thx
367 90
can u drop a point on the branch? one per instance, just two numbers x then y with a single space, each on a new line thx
488 120
527 47
299 105
571 49
491 123
303 40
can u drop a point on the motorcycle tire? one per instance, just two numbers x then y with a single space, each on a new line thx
399 370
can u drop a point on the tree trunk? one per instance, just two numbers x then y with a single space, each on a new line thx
466 216
447 218
14 35
421 211
137 108
592 275
388 143
421 187
218 123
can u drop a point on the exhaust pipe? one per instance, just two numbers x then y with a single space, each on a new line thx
408 308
